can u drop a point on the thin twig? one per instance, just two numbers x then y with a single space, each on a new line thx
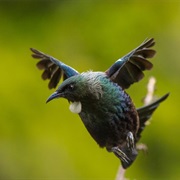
150 91
120 173
148 99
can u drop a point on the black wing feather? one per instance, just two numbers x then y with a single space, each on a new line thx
141 62
129 69
53 69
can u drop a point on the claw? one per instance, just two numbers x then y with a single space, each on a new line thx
130 141
120 154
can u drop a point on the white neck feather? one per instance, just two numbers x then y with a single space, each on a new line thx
75 107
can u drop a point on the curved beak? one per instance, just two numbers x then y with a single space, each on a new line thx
54 96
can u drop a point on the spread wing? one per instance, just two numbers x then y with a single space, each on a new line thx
146 112
129 69
53 69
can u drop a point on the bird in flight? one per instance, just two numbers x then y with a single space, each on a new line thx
100 99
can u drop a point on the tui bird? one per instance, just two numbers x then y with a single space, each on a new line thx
99 98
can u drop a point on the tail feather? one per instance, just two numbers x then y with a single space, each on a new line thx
146 112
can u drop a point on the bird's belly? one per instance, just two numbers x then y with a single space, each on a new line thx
109 131
98 128
109 125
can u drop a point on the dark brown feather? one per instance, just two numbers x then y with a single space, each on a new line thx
146 53
43 64
55 78
51 71
129 69
141 62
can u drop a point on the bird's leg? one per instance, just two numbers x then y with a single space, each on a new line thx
124 153
119 153
130 141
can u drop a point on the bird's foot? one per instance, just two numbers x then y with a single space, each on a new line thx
130 141
119 153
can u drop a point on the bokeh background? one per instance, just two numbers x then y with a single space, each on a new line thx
46 141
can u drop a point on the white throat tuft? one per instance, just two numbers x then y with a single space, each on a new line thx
75 107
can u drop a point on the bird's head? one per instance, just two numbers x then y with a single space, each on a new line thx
78 88
71 89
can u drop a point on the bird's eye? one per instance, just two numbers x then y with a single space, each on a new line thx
68 87
71 86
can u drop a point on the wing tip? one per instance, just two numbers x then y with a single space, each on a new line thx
36 54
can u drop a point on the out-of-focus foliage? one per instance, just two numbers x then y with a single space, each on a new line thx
47 141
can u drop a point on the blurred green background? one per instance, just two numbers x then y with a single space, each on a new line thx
46 141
